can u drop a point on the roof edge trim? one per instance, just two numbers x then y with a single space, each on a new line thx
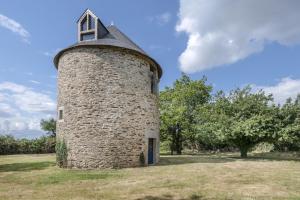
57 56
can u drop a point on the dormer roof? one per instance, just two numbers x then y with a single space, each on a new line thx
113 38
87 11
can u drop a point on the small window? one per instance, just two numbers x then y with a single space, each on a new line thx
153 80
152 84
61 114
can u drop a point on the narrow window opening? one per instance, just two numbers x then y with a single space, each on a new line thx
153 80
152 84
60 114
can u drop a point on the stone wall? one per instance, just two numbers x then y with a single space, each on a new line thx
108 108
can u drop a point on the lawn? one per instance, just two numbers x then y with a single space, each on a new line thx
186 177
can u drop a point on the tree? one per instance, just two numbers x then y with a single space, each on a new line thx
244 118
290 125
211 123
49 126
241 119
177 107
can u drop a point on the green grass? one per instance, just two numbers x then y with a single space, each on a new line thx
186 177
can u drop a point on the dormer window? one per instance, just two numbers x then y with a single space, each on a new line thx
90 27
87 28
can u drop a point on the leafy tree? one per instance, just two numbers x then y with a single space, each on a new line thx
290 125
211 123
177 108
49 126
251 119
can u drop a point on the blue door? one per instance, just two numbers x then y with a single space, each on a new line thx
150 151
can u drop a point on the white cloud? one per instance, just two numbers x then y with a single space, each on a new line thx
35 82
224 32
6 110
28 100
15 27
287 87
31 101
161 19
12 87
22 108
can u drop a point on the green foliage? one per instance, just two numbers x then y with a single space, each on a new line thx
177 106
191 118
49 126
290 126
142 159
10 145
61 153
244 118
263 147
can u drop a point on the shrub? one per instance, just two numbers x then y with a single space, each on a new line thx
11 145
61 153
142 159
263 147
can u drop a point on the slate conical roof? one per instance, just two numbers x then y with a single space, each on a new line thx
114 38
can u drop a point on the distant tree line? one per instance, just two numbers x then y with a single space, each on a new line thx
44 144
194 118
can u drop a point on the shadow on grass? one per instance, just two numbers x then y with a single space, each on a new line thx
226 157
79 175
270 156
170 197
201 158
23 167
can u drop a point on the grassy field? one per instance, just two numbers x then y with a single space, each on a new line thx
187 177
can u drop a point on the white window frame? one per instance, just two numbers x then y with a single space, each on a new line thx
94 31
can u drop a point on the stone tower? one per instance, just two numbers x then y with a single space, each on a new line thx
107 99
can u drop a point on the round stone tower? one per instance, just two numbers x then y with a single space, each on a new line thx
108 113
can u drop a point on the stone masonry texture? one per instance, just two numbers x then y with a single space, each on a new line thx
109 111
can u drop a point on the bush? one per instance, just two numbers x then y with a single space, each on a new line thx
11 145
142 159
61 153
263 147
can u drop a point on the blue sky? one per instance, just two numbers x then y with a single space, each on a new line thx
233 43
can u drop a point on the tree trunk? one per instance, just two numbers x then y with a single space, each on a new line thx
244 151
178 150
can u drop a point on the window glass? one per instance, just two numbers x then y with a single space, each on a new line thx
60 114
84 24
153 80
88 36
91 22
153 84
